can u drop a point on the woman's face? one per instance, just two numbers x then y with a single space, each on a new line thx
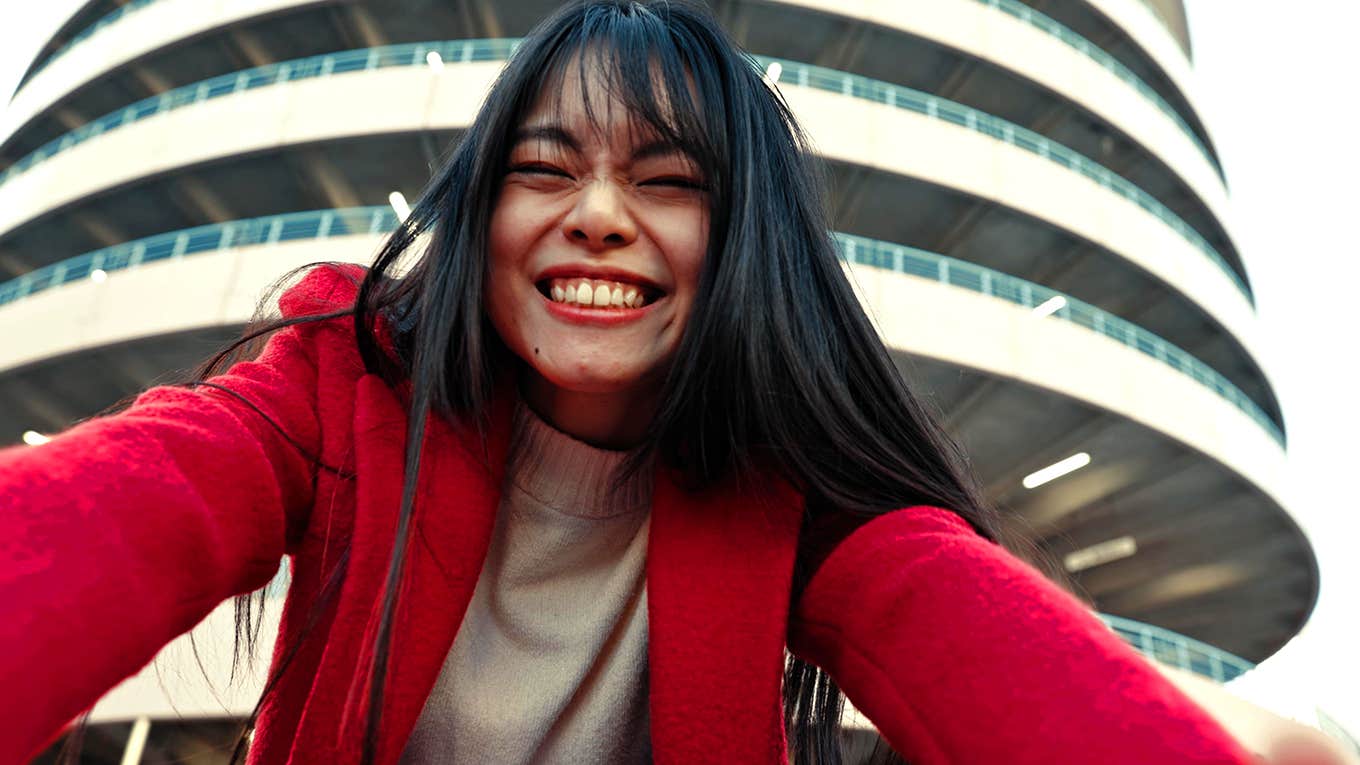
596 243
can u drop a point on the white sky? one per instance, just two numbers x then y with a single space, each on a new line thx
1273 82
1273 79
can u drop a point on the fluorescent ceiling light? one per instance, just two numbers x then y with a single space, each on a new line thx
98 275
1095 555
34 438
399 205
435 61
1056 470
1050 306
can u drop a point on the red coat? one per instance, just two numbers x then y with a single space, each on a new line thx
127 530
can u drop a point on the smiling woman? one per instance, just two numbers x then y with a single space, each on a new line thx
573 485
596 245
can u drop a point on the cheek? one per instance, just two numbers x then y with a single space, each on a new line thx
515 223
501 239
687 249
499 297
499 309
509 244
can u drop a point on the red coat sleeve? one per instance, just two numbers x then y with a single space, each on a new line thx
125 531
960 653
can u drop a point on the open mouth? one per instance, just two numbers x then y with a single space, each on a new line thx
602 294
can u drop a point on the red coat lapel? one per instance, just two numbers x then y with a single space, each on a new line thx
458 493
719 566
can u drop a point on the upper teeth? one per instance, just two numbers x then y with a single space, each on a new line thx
596 292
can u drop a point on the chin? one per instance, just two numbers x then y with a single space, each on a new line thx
592 380
595 384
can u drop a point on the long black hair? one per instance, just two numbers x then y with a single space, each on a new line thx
778 358
778 368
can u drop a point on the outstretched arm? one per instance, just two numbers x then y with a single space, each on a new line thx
960 653
125 531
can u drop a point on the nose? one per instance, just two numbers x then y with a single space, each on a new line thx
600 220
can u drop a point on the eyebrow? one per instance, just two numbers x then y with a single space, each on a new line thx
659 148
550 133
564 138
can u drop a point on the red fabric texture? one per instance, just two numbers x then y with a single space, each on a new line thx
960 653
125 531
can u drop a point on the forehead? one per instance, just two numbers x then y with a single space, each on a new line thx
587 95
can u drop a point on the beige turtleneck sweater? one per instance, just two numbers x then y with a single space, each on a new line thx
550 663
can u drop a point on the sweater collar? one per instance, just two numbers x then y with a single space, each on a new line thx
568 475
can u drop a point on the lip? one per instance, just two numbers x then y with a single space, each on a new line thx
594 317
584 271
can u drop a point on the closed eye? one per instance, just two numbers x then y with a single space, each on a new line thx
540 169
675 181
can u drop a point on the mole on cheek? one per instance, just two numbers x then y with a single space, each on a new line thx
535 350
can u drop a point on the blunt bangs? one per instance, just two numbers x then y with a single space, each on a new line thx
648 61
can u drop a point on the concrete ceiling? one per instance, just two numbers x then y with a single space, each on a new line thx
1217 559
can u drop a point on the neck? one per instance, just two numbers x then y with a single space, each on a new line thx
616 420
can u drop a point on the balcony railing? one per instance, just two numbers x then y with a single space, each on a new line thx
218 236
1113 65
959 273
821 78
103 21
1012 7
365 59
854 249
804 75
1178 650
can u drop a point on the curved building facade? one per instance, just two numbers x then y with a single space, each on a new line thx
1025 193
